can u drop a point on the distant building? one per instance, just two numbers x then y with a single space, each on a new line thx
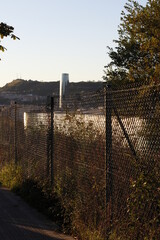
22 98
63 83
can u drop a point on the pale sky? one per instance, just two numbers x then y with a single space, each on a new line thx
58 36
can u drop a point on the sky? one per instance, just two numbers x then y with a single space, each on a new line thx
59 36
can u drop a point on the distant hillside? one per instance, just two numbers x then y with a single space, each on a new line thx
83 87
20 86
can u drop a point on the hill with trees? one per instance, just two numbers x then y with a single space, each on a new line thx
21 86
20 89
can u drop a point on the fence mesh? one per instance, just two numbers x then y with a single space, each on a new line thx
100 152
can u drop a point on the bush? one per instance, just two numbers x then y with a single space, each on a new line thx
79 163
144 208
142 219
11 175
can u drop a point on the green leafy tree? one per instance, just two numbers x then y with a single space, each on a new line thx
137 55
137 59
5 31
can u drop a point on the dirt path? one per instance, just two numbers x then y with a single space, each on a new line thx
18 221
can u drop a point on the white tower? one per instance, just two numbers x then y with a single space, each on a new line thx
63 83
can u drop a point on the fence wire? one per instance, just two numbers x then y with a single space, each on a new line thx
94 151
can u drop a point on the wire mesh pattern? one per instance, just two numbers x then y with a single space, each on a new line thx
91 151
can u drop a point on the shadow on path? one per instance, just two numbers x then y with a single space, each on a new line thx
18 221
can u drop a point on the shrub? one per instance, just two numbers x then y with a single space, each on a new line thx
144 207
11 175
142 220
79 163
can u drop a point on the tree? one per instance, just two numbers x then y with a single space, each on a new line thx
137 58
137 55
5 31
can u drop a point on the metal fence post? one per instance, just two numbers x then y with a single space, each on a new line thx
15 132
48 153
48 142
109 164
52 140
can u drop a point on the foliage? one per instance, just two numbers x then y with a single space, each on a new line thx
42 198
77 198
144 197
137 55
5 31
80 183
11 175
142 218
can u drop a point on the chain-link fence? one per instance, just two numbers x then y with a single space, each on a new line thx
99 152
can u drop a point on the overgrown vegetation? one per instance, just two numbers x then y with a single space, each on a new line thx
81 181
136 58
78 177
142 218
11 175
77 198
42 197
